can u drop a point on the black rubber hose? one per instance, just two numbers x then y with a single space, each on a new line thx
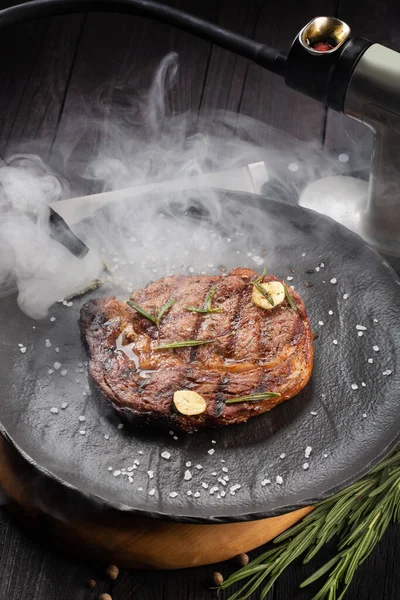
267 57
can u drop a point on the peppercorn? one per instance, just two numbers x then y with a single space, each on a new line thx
242 560
92 583
105 597
112 572
217 578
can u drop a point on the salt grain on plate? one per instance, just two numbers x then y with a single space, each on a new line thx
265 482
333 280
234 488
289 278
196 494
375 348
47 343
64 405
150 474
370 360
354 386
320 323
387 372
57 349
120 426
54 410
330 312
152 492
317 269
361 328
52 319
345 296
188 464
305 466
213 442
335 342
282 455
82 431
204 485
173 494
117 473
22 350
363 384
187 476
199 467
211 451
360 333
110 468
166 455
279 480
82 419
214 473
325 455
106 437
64 372
313 413
57 365
364 415
307 452
50 371
225 469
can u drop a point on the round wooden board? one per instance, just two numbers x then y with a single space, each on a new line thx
107 536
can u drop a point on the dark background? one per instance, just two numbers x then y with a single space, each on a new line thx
54 69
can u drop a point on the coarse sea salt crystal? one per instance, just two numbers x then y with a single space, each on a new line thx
375 348
110 468
22 350
47 343
345 296
50 371
106 437
387 372
57 349
187 476
320 323
325 455
225 469
199 467
150 474
188 464
204 485
306 466
265 482
313 413
166 455
282 455
82 418
211 451
364 415
213 441
279 480
63 372
354 386
317 269
308 451
361 328
57 365
333 280
64 405
335 342
370 360
52 319
196 494
363 384
330 312
152 492
360 333
54 410
234 488
82 432
289 278
120 426
173 494
117 473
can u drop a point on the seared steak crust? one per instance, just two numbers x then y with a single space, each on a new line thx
253 350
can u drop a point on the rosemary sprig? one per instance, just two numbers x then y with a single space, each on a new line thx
207 308
142 312
253 397
263 292
183 344
359 515
156 318
164 309
289 298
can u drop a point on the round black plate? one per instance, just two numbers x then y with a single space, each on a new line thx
348 415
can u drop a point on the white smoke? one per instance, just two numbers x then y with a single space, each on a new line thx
141 143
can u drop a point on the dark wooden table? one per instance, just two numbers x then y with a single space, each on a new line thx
52 70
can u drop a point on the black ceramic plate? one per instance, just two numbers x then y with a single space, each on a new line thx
348 415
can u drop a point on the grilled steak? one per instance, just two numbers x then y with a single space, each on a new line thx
253 350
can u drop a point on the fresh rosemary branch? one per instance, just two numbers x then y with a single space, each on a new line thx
156 318
207 308
253 397
359 515
183 344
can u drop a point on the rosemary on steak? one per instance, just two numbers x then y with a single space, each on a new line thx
259 288
289 298
157 316
253 397
358 515
183 344
207 308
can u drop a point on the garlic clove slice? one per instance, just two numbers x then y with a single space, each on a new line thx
189 403
275 289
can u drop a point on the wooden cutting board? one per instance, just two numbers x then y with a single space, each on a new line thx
87 530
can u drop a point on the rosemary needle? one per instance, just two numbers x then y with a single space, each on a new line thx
253 397
183 344
142 311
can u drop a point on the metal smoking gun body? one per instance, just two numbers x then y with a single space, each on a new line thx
362 80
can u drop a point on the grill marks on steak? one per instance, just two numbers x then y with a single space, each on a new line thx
253 350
